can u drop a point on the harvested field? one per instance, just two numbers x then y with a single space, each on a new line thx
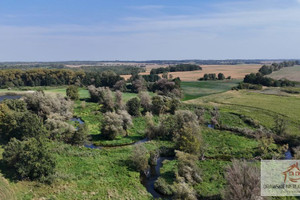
235 71
290 73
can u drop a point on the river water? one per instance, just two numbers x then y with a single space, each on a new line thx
2 98
154 174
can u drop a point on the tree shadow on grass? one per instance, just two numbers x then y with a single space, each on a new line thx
7 172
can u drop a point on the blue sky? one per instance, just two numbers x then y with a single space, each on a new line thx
58 30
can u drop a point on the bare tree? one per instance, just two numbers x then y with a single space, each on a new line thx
243 181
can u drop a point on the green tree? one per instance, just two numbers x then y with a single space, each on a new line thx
72 92
133 106
29 159
80 135
157 105
221 76
19 125
189 139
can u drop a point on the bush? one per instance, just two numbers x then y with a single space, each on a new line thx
157 105
126 120
243 181
133 106
139 85
184 191
188 169
120 85
280 127
167 88
112 125
145 101
119 105
59 129
248 86
189 139
29 159
221 76
72 92
163 187
80 136
139 158
19 125
45 105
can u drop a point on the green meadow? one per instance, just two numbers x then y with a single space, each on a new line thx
193 90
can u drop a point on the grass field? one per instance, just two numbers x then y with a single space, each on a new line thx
259 106
235 71
198 89
290 73
87 174
6 193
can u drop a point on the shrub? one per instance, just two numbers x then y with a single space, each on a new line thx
189 139
157 105
120 85
126 120
221 76
103 96
243 181
72 92
163 187
145 101
280 126
184 191
19 125
59 129
139 158
138 85
15 105
166 88
45 105
119 105
200 115
188 168
29 159
133 106
80 136
112 125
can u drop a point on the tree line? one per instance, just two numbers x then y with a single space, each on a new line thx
268 69
56 77
176 68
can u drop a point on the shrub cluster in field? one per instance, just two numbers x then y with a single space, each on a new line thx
117 115
176 68
213 77
26 126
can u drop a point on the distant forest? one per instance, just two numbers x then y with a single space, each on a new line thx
55 77
165 62
118 69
